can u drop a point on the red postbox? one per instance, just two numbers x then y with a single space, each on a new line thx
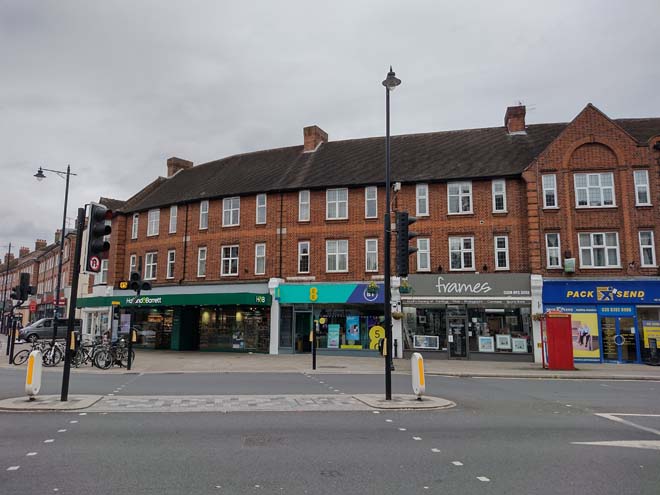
558 341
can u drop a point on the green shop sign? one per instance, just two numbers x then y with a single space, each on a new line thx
241 298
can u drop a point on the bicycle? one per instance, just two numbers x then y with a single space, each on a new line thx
53 355
113 354
22 356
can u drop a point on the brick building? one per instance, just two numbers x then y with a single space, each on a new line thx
245 252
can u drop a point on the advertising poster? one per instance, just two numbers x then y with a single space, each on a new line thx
651 330
333 336
519 345
125 323
585 335
503 341
486 344
352 328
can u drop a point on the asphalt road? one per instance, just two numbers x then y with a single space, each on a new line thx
504 437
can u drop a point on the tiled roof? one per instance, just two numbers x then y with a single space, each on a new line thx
437 156
112 204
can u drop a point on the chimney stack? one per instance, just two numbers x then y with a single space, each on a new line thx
514 119
24 251
313 137
40 244
175 164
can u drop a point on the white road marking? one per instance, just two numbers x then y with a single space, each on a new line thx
376 412
111 394
482 478
73 421
50 440
457 463
388 420
82 414
103 414
615 417
634 444
417 438
30 454
426 488
435 450
568 405
402 429
13 468
321 382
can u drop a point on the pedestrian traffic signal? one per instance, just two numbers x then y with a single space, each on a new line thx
24 289
97 229
403 236
137 284
16 293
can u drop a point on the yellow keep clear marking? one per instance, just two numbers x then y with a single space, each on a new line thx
420 367
30 370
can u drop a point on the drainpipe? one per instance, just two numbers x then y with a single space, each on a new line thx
279 274
185 248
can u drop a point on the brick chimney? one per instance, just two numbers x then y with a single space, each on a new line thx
314 136
40 244
514 119
24 251
175 164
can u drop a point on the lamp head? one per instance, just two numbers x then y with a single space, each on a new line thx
392 81
40 175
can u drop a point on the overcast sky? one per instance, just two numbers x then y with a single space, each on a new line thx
114 88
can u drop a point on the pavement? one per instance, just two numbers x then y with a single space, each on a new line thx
148 361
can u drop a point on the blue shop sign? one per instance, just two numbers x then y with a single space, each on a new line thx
601 292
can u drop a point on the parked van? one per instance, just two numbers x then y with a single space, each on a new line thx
43 329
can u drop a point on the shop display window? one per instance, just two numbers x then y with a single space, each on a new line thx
237 328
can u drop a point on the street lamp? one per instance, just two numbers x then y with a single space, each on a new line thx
64 175
390 83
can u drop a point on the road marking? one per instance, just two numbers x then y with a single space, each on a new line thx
376 412
321 382
435 450
402 429
388 420
30 454
50 440
73 422
82 414
61 431
634 444
482 478
417 438
111 394
13 468
614 417
568 405
426 488
457 463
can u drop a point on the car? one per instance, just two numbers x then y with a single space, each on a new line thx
43 329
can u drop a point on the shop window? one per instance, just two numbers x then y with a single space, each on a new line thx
303 206
303 257
594 190
239 328
422 200
231 211
261 208
336 256
461 253
647 248
642 197
371 248
153 222
550 191
336 201
499 196
459 197
371 202
229 261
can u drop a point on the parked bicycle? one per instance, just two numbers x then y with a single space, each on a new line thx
51 355
111 354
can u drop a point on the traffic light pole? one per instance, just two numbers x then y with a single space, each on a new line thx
56 310
73 300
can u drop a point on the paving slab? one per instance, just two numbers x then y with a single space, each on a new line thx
49 403
401 401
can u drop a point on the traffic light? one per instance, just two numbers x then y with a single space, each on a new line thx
96 230
24 288
403 236
137 284
16 293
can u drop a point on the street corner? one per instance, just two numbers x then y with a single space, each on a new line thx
49 403
404 401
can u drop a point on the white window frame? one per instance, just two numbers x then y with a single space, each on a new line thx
304 198
339 249
600 188
230 259
260 257
499 250
302 255
422 200
174 215
460 195
423 254
151 265
132 264
135 226
371 198
103 273
495 184
171 260
549 249
333 206
371 254
642 247
204 214
549 188
604 246
639 187
153 222
462 252
261 209
231 211
201 259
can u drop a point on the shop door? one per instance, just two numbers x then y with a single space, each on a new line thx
303 327
619 339
457 336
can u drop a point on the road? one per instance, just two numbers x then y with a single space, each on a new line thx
503 437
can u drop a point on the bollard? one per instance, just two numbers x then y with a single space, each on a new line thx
33 376
396 348
417 372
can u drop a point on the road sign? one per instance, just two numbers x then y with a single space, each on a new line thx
123 284
95 263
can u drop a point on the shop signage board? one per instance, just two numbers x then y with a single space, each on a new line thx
329 293
152 300
488 285
601 292
651 329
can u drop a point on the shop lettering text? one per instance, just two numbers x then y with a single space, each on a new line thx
459 288
144 300
605 294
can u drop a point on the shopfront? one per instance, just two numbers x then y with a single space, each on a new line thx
612 320
469 316
237 322
350 317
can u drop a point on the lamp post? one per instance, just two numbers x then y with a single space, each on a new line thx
390 83
64 175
